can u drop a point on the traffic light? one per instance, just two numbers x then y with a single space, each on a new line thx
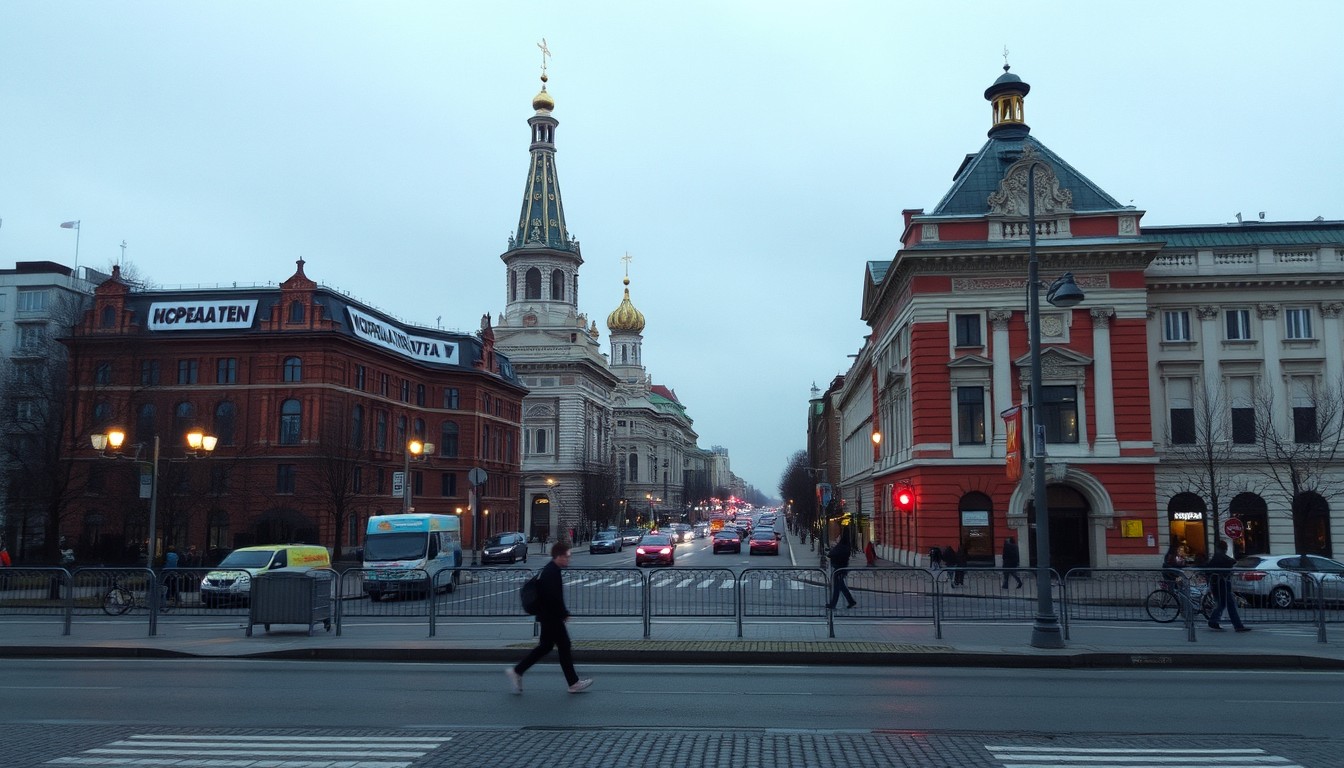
903 497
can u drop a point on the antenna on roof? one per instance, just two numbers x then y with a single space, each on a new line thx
1238 217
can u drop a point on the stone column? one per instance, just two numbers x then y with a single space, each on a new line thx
1269 334
1106 443
1330 336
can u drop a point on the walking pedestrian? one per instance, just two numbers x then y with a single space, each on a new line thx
1220 567
839 557
5 561
1011 560
870 554
950 563
552 614
960 577
935 558
170 575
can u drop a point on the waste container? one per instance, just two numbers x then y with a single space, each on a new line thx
288 597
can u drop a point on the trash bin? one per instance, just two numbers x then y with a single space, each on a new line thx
289 597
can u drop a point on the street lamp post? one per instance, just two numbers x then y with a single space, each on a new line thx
420 450
197 441
1063 293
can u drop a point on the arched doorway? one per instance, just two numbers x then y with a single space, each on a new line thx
1253 513
1186 524
1311 524
541 517
1068 529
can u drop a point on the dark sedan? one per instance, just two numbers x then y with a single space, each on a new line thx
655 549
605 541
727 541
505 548
763 543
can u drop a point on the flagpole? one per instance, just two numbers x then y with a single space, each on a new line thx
75 226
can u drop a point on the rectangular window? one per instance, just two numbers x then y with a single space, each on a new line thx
380 431
1181 408
1059 413
1176 325
149 373
31 336
284 478
450 398
1304 393
187 371
357 480
448 484
380 481
968 331
102 374
1238 322
971 415
382 384
360 374
1298 322
405 390
1241 391
226 370
540 445
32 300
23 411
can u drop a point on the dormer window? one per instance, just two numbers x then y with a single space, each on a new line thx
295 312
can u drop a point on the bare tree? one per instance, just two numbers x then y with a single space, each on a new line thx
1299 454
796 485
1199 440
337 475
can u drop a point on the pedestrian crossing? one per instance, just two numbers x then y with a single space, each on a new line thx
234 751
1082 757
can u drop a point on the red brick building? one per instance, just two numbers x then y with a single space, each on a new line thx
314 398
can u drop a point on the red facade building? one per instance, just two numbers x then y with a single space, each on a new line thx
314 399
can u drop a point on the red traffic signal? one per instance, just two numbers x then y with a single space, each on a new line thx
903 497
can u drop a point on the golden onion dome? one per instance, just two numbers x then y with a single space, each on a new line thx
626 319
543 102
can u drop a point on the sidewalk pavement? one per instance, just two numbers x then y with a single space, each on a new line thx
858 641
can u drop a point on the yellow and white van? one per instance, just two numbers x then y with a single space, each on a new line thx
231 582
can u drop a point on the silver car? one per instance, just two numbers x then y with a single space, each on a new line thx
1282 581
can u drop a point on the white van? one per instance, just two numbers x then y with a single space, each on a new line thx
404 553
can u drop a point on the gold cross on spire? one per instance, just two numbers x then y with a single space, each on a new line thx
545 54
627 258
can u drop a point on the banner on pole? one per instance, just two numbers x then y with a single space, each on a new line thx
1012 419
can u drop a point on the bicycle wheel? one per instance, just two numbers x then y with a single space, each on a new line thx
117 601
1206 606
1162 606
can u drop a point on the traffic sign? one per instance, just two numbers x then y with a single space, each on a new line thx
1233 528
476 476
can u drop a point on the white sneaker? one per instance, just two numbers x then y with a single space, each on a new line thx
581 686
515 679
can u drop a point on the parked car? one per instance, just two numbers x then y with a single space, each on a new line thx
655 549
631 535
727 540
508 547
763 542
605 541
1282 581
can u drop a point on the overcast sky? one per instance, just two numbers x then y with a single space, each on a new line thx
750 156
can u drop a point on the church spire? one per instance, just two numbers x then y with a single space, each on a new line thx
542 222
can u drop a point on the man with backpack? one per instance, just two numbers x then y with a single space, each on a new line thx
839 557
549 608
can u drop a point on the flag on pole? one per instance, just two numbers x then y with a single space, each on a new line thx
1013 438
70 225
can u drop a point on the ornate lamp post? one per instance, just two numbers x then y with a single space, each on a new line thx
419 451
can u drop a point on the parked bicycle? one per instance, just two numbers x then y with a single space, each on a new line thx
120 599
1168 602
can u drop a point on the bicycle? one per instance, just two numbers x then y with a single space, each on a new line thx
119 599
1167 603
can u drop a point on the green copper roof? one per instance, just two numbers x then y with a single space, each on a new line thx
980 174
1251 233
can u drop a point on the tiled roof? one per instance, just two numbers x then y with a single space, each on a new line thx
1251 233
981 173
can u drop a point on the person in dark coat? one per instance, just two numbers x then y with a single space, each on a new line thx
839 557
552 614
1011 560
935 558
950 563
1223 599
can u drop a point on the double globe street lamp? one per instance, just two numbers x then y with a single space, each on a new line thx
199 444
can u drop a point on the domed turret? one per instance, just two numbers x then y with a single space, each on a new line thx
1006 96
625 318
543 102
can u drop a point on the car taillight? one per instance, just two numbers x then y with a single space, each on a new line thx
1252 575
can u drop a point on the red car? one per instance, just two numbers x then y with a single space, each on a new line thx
763 543
655 549
727 541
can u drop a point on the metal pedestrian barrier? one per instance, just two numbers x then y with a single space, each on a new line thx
900 594
781 593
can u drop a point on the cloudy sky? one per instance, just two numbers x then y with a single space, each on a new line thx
750 155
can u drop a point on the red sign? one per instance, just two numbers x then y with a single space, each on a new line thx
1233 528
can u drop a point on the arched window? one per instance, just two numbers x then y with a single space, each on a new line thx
184 418
513 285
448 440
102 414
109 318
293 369
401 433
357 426
1254 515
380 430
291 417
1311 524
532 289
557 286
420 394
225 414
296 312
145 426
419 427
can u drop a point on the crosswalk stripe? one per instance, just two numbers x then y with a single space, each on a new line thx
1083 757
215 751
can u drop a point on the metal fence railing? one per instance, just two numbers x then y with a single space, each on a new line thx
894 594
